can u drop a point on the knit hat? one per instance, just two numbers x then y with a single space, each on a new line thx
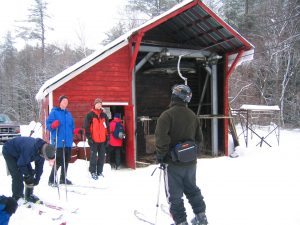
48 151
97 100
117 115
62 97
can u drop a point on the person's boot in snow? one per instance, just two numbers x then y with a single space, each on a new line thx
94 176
183 223
33 199
200 219
68 182
52 184
29 197
100 175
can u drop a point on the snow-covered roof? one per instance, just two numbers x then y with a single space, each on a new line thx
212 33
94 57
260 107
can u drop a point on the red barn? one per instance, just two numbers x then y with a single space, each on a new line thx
134 74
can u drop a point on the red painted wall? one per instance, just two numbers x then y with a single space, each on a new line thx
110 80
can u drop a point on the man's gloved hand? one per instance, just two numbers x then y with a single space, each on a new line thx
10 203
29 180
162 166
91 142
55 124
36 181
161 160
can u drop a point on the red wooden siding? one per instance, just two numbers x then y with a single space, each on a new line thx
109 79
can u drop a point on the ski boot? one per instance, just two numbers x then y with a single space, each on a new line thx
29 197
52 184
94 176
183 223
68 182
200 219
100 174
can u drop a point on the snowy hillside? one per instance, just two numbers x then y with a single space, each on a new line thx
260 187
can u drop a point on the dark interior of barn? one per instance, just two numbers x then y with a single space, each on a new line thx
153 91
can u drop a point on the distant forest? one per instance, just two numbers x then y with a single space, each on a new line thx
271 78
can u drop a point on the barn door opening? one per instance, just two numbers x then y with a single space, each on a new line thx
111 111
157 73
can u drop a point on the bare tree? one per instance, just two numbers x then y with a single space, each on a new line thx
151 7
37 18
80 33
137 12
274 30
8 74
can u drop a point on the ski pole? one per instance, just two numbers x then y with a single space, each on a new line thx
32 130
55 181
84 148
158 193
65 171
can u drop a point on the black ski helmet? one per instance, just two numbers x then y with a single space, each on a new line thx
48 151
183 92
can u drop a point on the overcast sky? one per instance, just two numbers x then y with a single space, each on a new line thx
67 16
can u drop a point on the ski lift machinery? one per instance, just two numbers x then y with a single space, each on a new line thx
211 72
210 64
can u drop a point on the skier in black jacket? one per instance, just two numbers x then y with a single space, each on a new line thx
18 154
176 125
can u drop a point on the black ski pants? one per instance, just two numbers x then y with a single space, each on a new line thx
17 177
97 157
60 163
181 180
115 155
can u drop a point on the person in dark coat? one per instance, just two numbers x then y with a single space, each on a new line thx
60 123
18 154
96 127
175 125
8 206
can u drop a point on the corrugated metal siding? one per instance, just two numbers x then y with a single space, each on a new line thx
196 29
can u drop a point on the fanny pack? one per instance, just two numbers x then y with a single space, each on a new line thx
184 152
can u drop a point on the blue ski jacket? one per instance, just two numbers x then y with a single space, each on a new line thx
65 128
26 150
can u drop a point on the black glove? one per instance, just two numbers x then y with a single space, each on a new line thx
36 181
10 203
162 166
161 160
29 180
91 142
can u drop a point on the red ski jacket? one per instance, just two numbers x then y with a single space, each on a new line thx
96 124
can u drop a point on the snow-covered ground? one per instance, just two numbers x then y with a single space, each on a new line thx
261 187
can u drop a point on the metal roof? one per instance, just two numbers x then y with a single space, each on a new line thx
196 27
188 25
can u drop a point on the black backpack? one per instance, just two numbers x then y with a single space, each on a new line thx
119 131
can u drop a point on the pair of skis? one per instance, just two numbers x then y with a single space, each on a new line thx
56 212
72 188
